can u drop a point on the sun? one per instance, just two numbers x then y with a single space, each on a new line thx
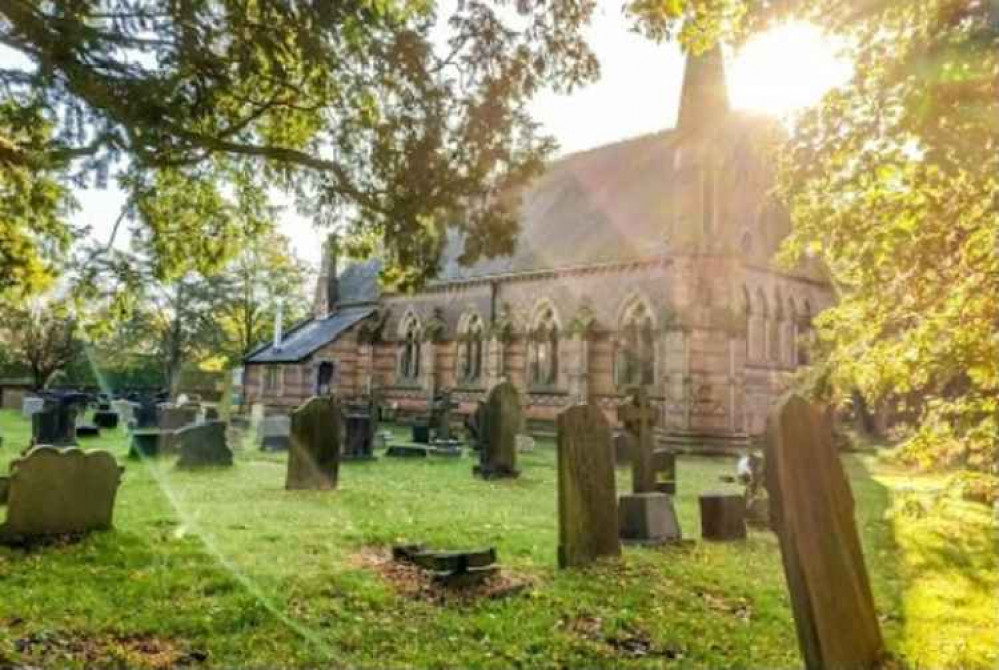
786 69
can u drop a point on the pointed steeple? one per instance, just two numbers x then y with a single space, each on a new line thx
704 98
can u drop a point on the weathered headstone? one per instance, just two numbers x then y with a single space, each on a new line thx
58 492
525 443
723 516
811 507
175 417
314 454
54 424
407 451
587 501
106 418
203 445
441 415
274 432
359 444
501 421
125 409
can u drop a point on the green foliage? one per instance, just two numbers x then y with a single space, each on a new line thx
347 105
893 182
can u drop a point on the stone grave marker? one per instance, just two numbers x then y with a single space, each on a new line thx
622 448
58 492
314 454
525 443
274 432
723 516
664 471
812 510
203 445
587 501
359 445
175 417
501 421
55 424
647 515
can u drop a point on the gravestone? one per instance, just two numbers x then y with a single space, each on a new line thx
274 432
203 445
88 430
587 502
646 516
360 436
723 516
525 444
440 415
501 421
407 451
106 418
54 424
145 413
421 431
145 443
125 409
314 454
175 417
58 492
812 511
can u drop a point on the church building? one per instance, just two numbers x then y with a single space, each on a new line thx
647 261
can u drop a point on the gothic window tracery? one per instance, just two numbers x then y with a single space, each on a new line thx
470 350
636 360
543 349
409 358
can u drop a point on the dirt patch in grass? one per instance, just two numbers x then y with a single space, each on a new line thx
416 583
54 648
628 642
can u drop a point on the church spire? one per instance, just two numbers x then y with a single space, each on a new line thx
704 98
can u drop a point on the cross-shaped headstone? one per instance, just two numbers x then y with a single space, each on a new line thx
638 416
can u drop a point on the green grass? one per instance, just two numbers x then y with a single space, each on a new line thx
228 566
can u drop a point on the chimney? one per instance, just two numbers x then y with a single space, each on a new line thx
704 97
327 285
279 324
332 281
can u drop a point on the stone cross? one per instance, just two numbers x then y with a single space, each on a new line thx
638 416
811 509
587 499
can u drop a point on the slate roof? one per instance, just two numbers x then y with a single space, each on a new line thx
609 204
309 336
359 282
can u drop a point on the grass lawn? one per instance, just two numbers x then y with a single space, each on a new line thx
225 568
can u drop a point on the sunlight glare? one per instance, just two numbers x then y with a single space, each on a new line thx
785 69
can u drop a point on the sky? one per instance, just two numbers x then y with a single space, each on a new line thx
637 93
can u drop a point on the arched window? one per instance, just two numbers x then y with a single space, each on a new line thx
636 360
762 318
409 359
776 329
470 350
543 349
805 332
324 378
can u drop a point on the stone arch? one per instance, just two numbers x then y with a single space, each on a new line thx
544 333
544 309
410 345
471 336
635 343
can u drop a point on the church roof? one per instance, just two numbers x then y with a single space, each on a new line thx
610 204
359 282
309 336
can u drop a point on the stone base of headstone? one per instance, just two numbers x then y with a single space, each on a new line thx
648 518
88 430
106 419
407 451
723 516
447 448
455 569
494 472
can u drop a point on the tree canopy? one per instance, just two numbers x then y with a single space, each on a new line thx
348 105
